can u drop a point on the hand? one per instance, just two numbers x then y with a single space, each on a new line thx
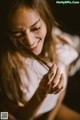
52 82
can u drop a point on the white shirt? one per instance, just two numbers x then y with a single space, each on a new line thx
35 71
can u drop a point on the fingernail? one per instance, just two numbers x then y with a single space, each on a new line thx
54 65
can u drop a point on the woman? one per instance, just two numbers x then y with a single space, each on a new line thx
32 74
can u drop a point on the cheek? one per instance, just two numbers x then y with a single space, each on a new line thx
43 32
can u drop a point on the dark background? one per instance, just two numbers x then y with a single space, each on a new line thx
67 15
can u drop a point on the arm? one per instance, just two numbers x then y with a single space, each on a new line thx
16 112
27 112
46 86
54 112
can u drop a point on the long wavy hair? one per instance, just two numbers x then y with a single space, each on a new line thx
10 81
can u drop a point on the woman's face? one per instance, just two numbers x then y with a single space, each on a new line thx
27 27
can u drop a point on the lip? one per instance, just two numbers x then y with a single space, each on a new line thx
34 46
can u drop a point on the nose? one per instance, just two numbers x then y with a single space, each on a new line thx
29 38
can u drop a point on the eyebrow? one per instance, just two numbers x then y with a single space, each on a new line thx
15 31
35 23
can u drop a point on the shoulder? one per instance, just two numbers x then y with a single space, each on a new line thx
65 47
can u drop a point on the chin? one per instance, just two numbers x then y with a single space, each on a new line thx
38 52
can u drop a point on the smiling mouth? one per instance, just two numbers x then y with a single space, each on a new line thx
34 46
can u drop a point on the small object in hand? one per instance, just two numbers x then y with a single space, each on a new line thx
52 75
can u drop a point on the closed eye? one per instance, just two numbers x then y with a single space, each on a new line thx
35 29
17 34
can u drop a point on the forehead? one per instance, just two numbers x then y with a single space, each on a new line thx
23 16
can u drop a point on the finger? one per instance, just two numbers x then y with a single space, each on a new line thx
56 77
51 72
54 89
57 91
59 86
43 82
61 82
